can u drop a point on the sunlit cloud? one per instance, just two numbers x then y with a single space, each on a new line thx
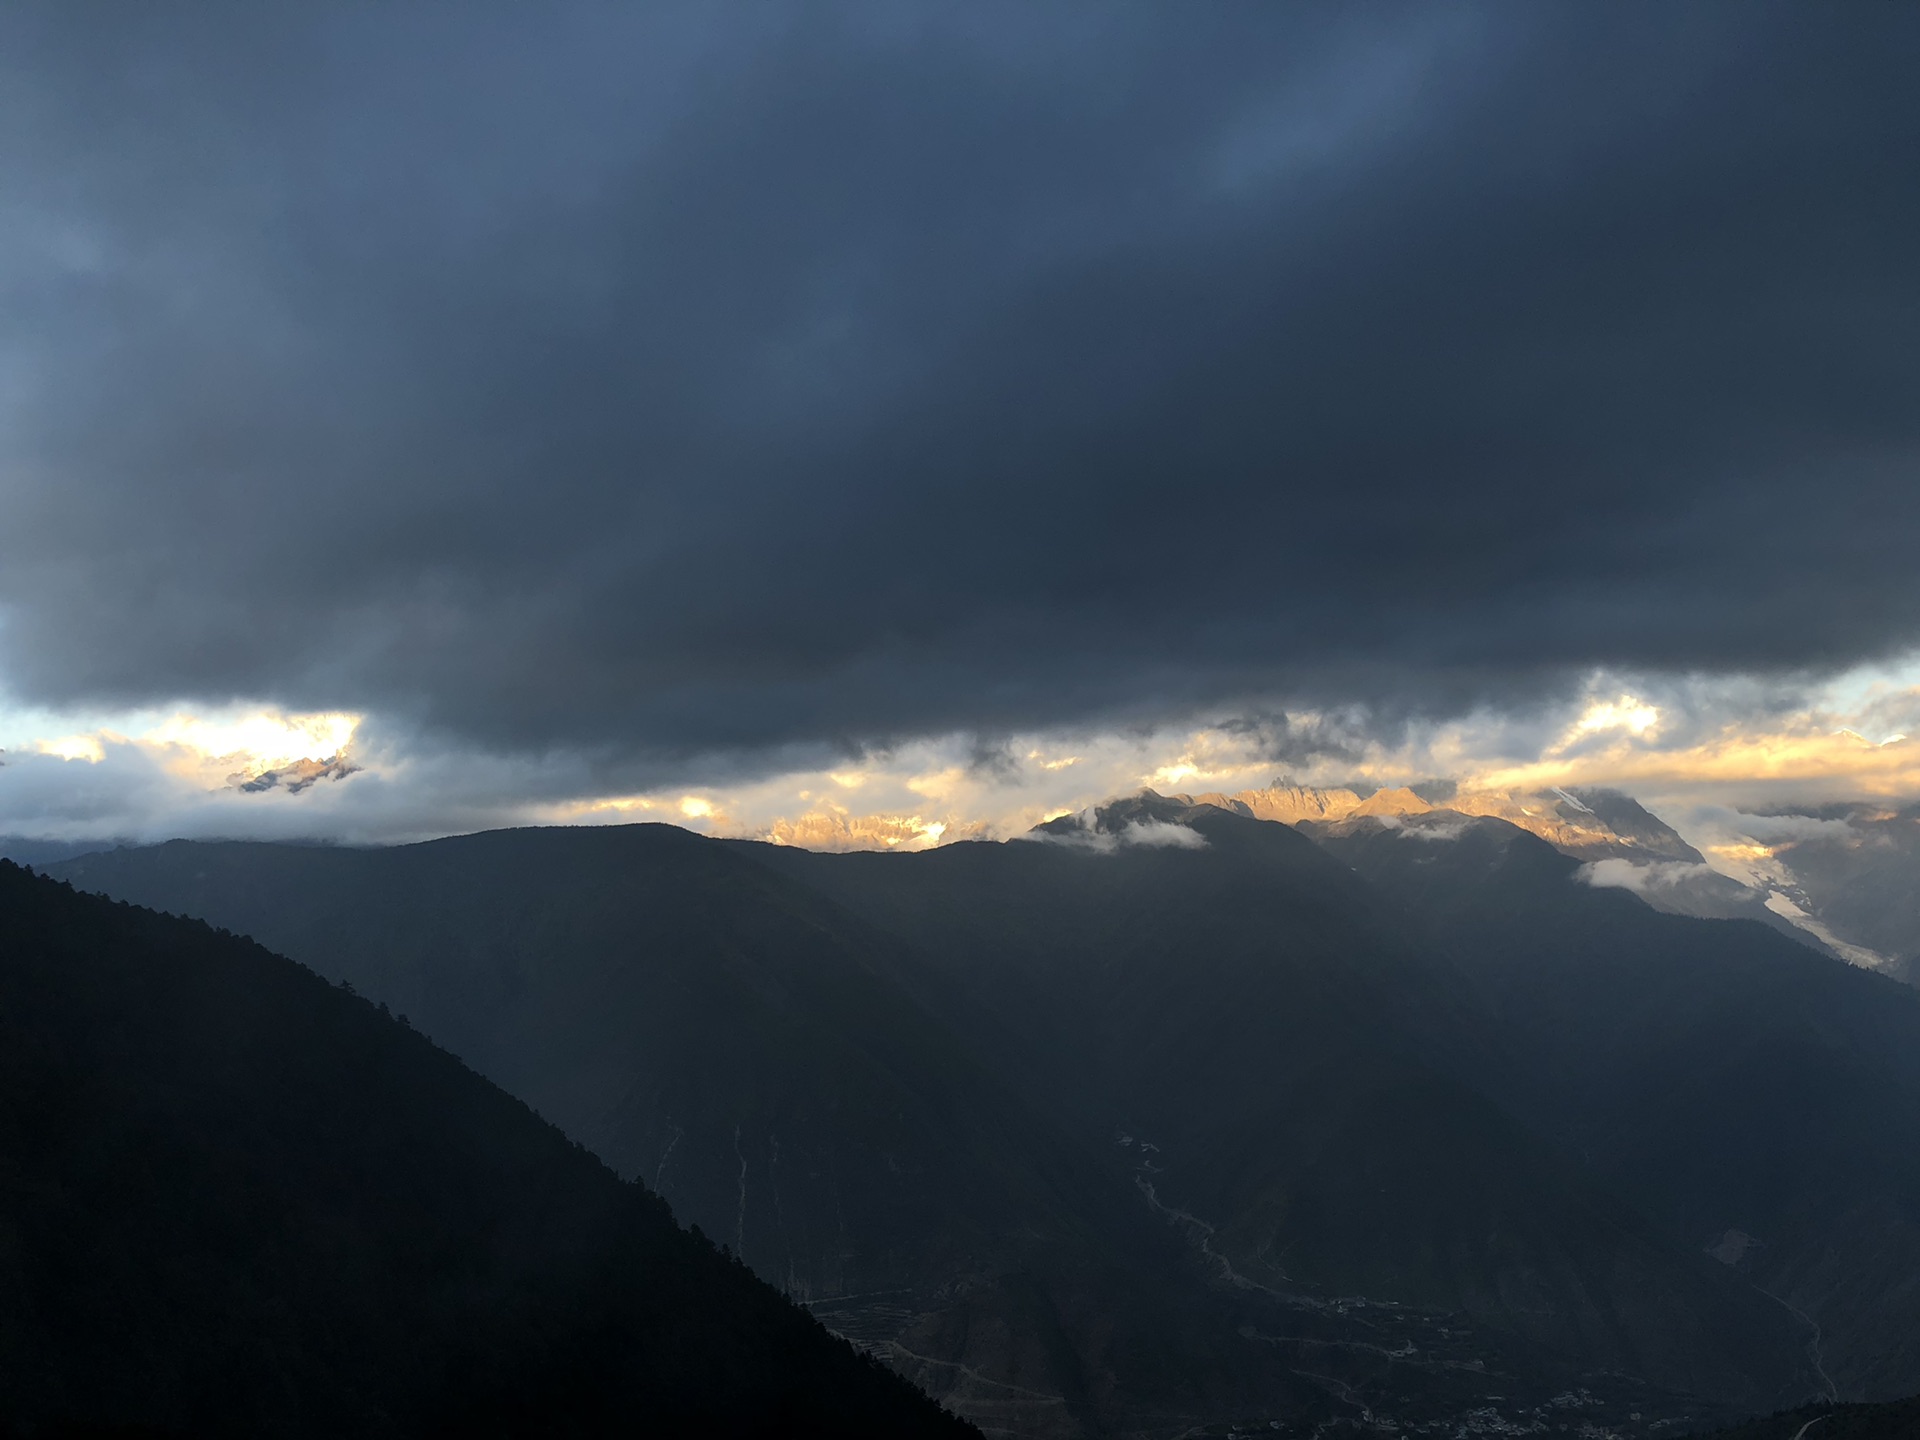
940 784
261 739
91 748
1802 761
1058 762
1627 713
213 744
151 774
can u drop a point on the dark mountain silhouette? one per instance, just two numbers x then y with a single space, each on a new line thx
1174 1120
235 1199
734 1040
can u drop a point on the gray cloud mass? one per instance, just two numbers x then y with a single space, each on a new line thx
654 383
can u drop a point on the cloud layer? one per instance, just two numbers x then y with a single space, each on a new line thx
612 402
1705 756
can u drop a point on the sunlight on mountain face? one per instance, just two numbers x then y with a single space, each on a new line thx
837 830
1743 860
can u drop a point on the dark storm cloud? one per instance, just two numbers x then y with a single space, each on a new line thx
1288 740
643 382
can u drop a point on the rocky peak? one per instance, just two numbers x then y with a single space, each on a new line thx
1291 804
1391 802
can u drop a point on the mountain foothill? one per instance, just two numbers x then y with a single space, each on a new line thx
1314 1112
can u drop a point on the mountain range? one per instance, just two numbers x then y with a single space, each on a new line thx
1171 1116
238 1200
1820 882
1844 878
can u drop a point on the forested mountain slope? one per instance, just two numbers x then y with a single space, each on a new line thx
235 1199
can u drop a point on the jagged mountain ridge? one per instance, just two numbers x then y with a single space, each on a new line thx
1586 824
1623 843
1843 879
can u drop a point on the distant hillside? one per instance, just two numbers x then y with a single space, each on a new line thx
1750 1096
236 1200
23 850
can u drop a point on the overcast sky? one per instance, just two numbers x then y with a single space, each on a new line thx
592 402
